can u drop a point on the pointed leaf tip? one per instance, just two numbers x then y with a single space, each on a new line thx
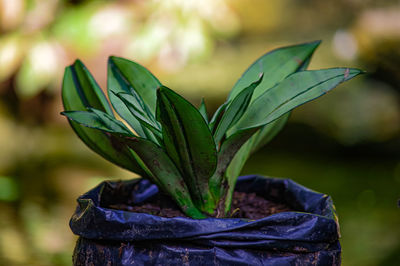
203 110
276 65
134 79
316 42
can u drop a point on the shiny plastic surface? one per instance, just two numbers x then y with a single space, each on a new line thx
306 237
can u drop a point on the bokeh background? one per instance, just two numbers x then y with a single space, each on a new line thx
346 144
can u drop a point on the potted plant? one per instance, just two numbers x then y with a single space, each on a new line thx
195 162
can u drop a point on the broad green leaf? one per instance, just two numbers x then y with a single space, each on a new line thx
135 77
114 128
297 89
152 159
266 133
288 94
117 84
164 173
235 110
79 92
188 142
132 78
203 110
82 87
276 65
98 120
142 114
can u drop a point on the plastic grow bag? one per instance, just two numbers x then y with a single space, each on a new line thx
115 237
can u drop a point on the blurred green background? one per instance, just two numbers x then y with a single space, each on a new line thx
346 144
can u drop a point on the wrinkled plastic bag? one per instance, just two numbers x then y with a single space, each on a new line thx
117 237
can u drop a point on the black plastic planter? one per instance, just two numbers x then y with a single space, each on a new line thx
115 237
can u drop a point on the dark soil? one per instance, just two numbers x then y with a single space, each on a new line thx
244 205
251 206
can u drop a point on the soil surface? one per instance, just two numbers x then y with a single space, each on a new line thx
251 206
244 205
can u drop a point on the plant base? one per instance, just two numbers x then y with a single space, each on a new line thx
116 237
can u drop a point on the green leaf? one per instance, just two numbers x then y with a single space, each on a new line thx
142 114
276 65
164 173
288 94
297 89
129 77
135 77
152 159
79 92
137 107
288 59
235 110
261 138
188 142
98 120
79 85
203 110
